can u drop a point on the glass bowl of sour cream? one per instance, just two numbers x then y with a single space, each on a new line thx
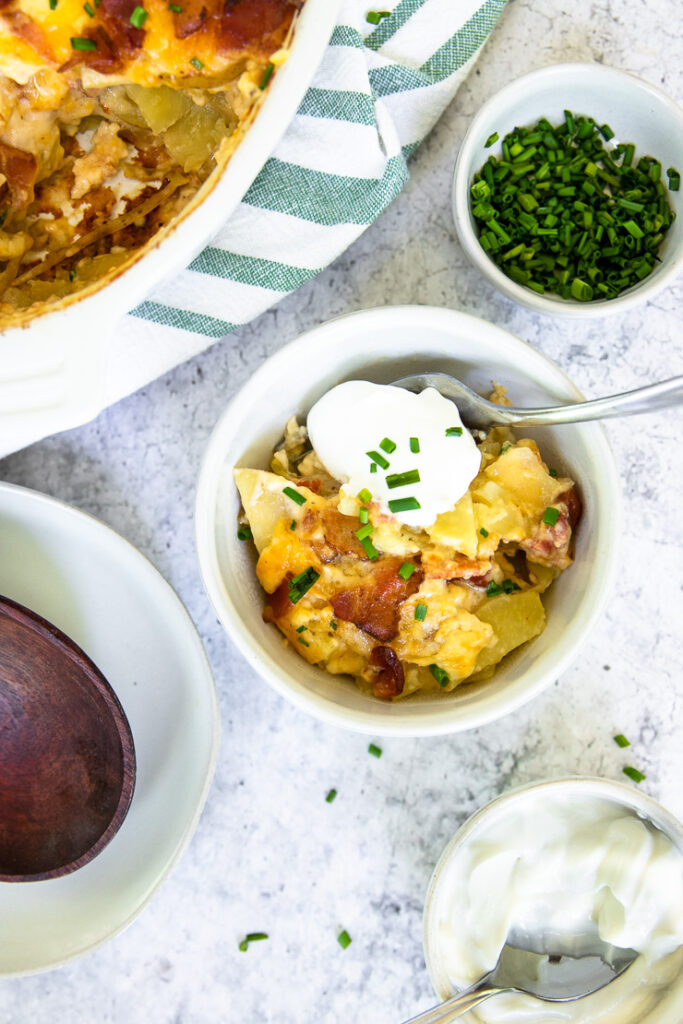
563 862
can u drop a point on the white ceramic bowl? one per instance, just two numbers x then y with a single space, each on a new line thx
383 345
581 789
52 363
636 111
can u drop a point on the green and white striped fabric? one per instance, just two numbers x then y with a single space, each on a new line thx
377 93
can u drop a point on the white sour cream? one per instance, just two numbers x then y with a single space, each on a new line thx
353 418
570 871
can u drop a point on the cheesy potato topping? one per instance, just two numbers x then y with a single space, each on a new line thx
430 608
112 115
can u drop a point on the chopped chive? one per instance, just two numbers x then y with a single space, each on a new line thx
374 17
411 476
53 7
344 939
414 445
364 531
407 570
331 796
373 467
442 677
365 496
196 63
251 937
484 532
491 139
301 584
294 495
301 629
454 432
603 212
420 611
244 533
369 548
550 516
72 275
674 179
266 76
621 740
379 459
333 624
509 585
292 525
364 516
375 750
494 589
552 472
301 640
79 43
89 10
633 773
404 504
387 445
138 17
176 8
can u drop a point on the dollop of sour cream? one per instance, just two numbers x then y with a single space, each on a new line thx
354 419
570 871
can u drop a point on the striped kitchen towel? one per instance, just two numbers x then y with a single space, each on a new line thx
378 91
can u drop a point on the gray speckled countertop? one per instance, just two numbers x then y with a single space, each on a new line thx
269 853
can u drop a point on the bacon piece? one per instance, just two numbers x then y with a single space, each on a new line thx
457 567
278 603
21 169
389 681
375 605
23 26
257 24
331 534
550 544
117 40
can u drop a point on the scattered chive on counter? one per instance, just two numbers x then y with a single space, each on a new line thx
251 937
375 750
344 939
374 17
621 740
559 212
331 796
633 773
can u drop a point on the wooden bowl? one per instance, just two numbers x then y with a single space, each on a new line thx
67 760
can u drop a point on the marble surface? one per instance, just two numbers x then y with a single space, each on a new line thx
269 853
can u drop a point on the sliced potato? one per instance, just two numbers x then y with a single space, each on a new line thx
520 472
457 528
515 618
160 106
265 502
195 137
497 513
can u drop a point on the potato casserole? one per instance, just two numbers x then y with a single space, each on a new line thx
112 115
404 609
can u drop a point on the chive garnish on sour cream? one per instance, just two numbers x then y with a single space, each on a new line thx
251 937
411 476
379 459
403 504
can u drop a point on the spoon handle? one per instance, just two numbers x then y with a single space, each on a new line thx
455 1007
648 399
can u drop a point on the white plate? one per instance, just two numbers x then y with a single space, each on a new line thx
97 588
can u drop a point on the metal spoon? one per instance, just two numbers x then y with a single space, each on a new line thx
550 978
478 412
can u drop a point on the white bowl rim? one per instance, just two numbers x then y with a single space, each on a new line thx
450 719
591 785
460 199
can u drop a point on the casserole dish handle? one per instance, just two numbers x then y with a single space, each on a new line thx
52 374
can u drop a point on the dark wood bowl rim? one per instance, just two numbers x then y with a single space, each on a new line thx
24 616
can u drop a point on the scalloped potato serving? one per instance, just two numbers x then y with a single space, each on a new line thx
112 115
397 548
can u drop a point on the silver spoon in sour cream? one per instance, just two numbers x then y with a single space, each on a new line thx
552 978
478 412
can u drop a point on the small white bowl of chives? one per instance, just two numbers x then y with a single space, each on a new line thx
571 216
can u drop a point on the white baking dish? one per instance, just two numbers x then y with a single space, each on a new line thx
52 363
